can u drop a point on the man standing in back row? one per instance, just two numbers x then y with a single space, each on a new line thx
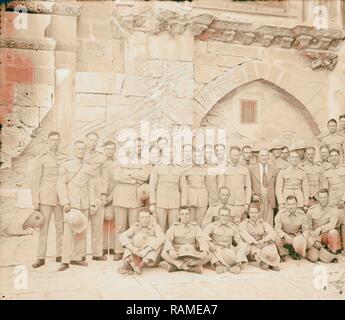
237 179
45 198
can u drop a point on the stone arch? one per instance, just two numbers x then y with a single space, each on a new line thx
245 73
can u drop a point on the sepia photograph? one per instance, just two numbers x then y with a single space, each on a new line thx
172 151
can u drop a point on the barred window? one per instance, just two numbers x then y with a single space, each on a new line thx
249 111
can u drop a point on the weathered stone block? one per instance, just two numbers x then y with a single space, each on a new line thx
100 31
219 47
139 86
95 82
90 114
164 46
247 51
205 73
14 26
34 95
91 100
115 99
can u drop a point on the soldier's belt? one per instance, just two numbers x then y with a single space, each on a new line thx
182 240
291 229
292 187
221 239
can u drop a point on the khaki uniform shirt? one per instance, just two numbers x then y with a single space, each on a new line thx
292 181
223 235
126 179
74 184
314 175
334 141
279 163
237 179
152 235
326 165
334 181
292 224
321 220
179 234
165 186
193 187
44 178
211 184
256 231
212 213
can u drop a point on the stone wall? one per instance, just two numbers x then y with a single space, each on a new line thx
109 65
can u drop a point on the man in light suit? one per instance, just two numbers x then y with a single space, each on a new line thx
263 177
75 190
45 198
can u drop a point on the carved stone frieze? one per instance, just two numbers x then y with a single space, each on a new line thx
321 60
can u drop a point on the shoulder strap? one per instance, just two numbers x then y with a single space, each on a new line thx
75 174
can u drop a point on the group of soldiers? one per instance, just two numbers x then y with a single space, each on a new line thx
257 205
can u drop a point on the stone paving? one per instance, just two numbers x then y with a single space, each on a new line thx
101 281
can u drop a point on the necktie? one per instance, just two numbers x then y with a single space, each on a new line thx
264 177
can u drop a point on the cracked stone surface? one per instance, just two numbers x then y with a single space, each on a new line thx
100 280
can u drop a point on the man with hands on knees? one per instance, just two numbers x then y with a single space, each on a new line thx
143 243
186 246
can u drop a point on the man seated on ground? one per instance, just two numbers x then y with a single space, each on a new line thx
212 212
259 238
186 246
143 243
222 236
324 240
291 226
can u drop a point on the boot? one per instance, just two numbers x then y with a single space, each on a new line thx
101 258
105 252
79 263
118 256
64 267
39 263
58 259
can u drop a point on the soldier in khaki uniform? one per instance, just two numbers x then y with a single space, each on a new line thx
95 160
194 191
222 236
333 139
211 174
341 130
324 157
314 172
75 190
291 226
293 181
143 243
247 158
109 214
324 237
212 212
45 198
259 237
285 153
126 178
165 198
277 161
237 179
186 246
334 181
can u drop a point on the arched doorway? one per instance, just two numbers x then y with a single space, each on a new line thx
259 111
